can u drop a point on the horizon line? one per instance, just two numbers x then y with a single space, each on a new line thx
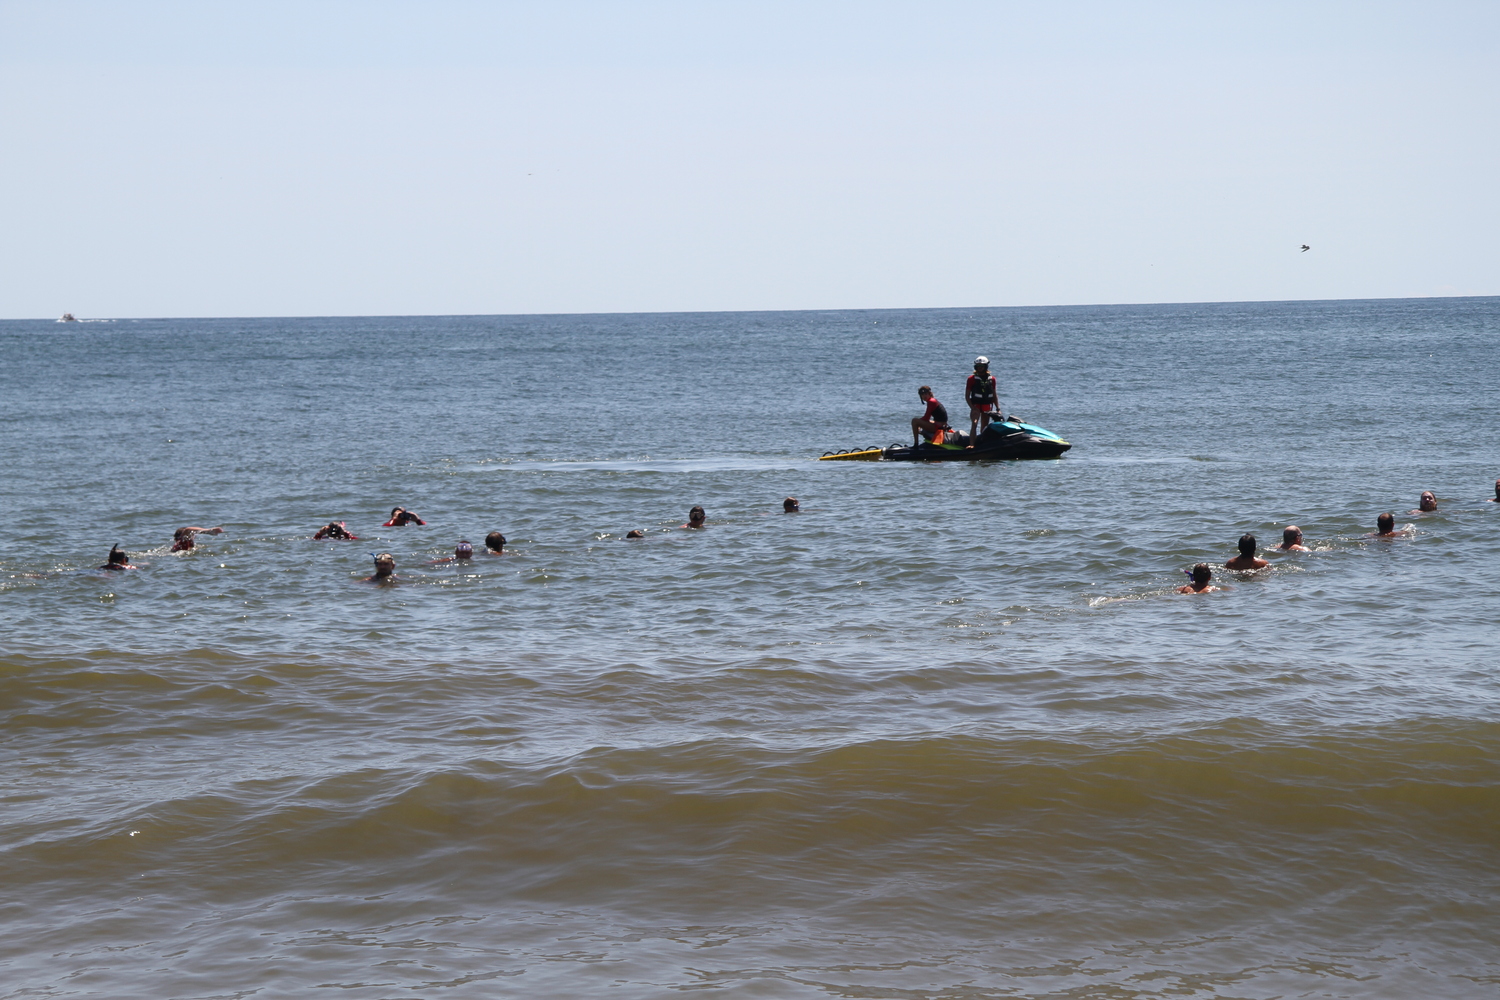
712 312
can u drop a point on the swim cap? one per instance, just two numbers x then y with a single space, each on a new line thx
981 360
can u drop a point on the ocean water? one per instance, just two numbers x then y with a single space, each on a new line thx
949 732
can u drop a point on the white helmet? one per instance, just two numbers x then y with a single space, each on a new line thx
982 360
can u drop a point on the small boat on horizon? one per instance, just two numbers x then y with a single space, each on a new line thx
67 318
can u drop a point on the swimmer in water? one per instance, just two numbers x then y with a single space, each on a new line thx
696 518
335 530
494 543
385 569
1291 539
1426 503
117 559
1247 559
463 552
1201 584
1385 526
790 506
400 516
635 533
182 538
1497 492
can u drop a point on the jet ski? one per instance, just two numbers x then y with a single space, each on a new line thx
1001 440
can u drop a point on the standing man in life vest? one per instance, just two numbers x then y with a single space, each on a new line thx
983 397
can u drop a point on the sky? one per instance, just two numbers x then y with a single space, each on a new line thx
323 157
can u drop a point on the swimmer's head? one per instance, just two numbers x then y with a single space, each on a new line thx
981 363
1497 489
1247 545
463 551
117 557
396 510
635 533
696 516
182 533
790 504
494 541
924 391
1427 501
1291 535
1386 523
1201 573
385 564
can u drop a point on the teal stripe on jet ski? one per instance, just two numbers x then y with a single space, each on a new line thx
1031 429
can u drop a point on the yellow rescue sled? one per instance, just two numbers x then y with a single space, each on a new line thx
857 455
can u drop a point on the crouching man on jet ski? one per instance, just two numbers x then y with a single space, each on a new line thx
983 397
932 423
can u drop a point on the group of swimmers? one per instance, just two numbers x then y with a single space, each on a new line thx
385 563
494 543
1291 541
182 540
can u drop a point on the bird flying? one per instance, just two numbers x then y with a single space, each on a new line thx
1305 248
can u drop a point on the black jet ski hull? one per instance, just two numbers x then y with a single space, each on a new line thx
998 443
925 452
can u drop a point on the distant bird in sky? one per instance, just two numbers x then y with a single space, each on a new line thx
1305 248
